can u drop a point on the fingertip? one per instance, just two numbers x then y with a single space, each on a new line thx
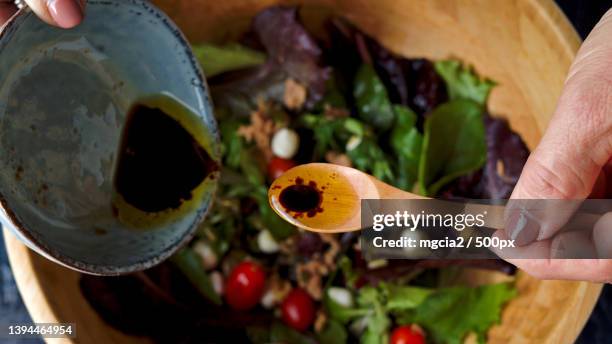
602 236
66 13
6 12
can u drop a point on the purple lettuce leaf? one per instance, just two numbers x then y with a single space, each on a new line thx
396 73
427 88
289 45
410 82
507 154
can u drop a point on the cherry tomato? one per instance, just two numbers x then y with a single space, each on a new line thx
245 285
278 166
407 335
298 309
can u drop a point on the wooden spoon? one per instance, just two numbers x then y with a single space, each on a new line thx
327 198
333 204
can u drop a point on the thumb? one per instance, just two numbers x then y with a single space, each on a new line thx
577 143
63 13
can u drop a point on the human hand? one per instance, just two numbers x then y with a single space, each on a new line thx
571 162
61 13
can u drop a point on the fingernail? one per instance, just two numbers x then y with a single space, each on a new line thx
66 13
522 228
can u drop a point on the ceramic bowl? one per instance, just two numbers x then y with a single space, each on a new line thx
64 96
527 46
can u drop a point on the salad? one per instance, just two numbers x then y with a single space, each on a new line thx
284 97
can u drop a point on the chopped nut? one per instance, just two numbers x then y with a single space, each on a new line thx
310 274
295 94
501 171
276 290
500 167
338 159
309 277
260 130
377 264
334 247
471 338
320 321
287 247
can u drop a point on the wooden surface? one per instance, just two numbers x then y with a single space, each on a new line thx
526 46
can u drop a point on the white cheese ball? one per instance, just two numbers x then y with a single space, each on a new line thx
341 296
285 143
216 278
206 253
353 143
266 242
268 300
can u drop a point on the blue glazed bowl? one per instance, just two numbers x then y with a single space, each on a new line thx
64 97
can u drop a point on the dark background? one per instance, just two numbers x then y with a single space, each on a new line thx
584 14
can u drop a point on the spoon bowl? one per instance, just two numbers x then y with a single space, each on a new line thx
340 190
64 101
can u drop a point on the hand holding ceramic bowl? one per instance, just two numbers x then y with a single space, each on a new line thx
64 101
61 13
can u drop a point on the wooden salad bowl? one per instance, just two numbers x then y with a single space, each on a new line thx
526 46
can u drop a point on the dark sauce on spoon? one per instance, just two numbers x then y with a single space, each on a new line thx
302 198
160 162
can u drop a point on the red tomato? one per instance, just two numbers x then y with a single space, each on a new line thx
245 285
278 166
298 309
407 335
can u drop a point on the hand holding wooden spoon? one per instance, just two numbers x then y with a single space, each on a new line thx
326 198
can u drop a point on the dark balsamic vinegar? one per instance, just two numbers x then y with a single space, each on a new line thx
302 198
160 162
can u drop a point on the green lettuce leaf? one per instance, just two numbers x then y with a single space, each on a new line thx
406 141
190 265
216 59
232 143
462 82
332 333
400 297
377 330
333 133
454 144
279 333
372 100
370 158
341 313
279 228
325 132
448 315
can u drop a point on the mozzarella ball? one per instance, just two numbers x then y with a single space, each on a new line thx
285 143
341 296
266 242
